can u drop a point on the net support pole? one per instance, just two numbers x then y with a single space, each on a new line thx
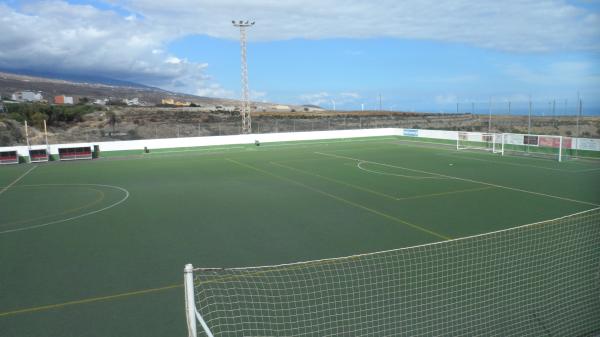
503 141
457 139
560 148
27 136
190 304
46 137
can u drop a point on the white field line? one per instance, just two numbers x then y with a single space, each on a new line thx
506 163
393 174
334 141
16 180
465 179
587 170
263 147
401 141
74 217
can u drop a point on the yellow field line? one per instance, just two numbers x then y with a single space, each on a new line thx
88 300
70 210
352 203
337 181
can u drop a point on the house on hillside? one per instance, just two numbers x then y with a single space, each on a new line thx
132 102
280 107
170 101
60 100
27 96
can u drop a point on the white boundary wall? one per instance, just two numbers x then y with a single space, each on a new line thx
169 143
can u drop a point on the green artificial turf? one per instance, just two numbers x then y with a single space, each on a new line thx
97 248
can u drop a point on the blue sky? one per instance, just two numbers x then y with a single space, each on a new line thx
420 55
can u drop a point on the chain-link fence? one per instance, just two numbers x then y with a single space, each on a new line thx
132 124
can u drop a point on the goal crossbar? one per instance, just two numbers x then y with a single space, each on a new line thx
515 282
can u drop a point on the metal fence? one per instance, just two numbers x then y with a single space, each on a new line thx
13 133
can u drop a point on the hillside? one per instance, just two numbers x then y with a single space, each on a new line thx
10 83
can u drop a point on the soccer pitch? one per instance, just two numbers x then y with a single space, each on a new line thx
97 248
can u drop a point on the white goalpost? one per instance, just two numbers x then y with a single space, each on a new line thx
479 141
541 146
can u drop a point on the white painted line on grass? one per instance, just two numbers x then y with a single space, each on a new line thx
16 180
75 217
393 174
465 179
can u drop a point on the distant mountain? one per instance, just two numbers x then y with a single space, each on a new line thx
93 87
80 78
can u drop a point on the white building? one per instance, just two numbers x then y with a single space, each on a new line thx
27 96
133 101
281 107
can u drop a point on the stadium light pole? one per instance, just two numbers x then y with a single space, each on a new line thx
245 111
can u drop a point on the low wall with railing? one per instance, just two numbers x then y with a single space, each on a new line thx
168 143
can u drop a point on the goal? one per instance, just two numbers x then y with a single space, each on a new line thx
479 141
537 279
541 146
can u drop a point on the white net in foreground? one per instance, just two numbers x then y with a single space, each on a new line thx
535 280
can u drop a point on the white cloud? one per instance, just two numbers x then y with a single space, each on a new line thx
257 95
173 60
320 98
446 99
55 36
214 90
326 99
350 95
513 25
58 36
574 74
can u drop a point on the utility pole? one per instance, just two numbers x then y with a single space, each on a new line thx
380 108
490 116
554 112
245 110
529 118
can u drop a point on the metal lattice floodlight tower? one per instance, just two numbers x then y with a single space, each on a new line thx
246 119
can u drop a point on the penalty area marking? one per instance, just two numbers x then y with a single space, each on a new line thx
392 174
465 179
125 197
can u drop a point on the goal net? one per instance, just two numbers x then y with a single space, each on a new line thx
537 279
542 146
479 141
